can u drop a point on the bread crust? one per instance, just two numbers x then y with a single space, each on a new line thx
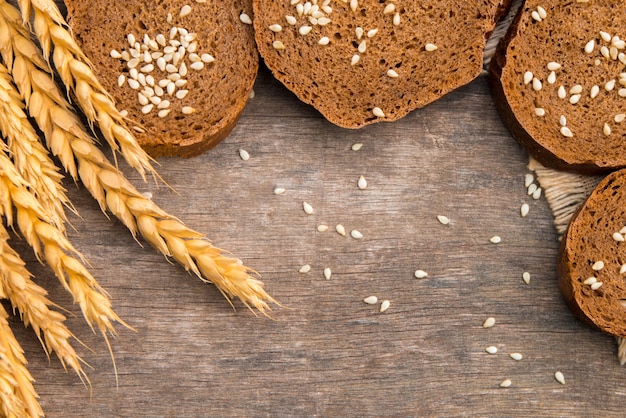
347 93
218 92
589 239
527 47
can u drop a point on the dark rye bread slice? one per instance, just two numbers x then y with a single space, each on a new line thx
217 93
593 138
396 71
593 251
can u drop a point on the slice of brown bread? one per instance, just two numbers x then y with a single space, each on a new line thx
409 53
594 251
586 91
217 93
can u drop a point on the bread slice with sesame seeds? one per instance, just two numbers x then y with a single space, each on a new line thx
592 258
183 90
364 61
559 82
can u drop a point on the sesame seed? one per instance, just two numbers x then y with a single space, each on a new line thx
577 89
595 90
185 10
147 108
371 33
171 87
589 46
243 154
420 274
133 84
495 239
121 80
528 179
430 47
115 54
524 210
353 5
143 100
362 47
164 104
537 193
596 286
618 237
131 39
323 21
622 93
180 94
392 73
396 19
610 85
207 58
198 65
275 27
558 375
528 77
532 189
308 209
553 66
507 382
552 77
389 8
291 20
340 229
620 117
574 99
622 269
327 273
526 277
147 68
562 120
124 113
540 111
537 85
542 12
444 220
384 305
516 356
589 281
245 19
604 51
304 269
356 234
489 322
606 129
362 183
187 110
561 93
325 40
304 30
279 190
598 265
605 36
371 300
566 132
278 45
492 349
535 15
322 228
377 111
357 146
355 59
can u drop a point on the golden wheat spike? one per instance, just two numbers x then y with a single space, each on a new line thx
75 71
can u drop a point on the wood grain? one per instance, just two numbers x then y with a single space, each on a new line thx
326 353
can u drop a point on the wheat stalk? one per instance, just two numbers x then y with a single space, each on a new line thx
30 157
34 307
70 141
17 394
75 71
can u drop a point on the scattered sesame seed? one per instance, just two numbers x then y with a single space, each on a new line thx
574 99
589 47
327 273
495 239
558 375
622 269
566 132
516 356
589 281
542 12
420 274
356 234
362 47
279 190
389 8
184 11
308 209
561 92
618 237
304 30
371 300
537 85
291 20
621 92
340 229
528 179
392 73
430 47
305 269
371 33
187 110
524 210
610 85
596 285
537 193
535 15
552 77
355 59
325 40
322 228
605 36
244 154
489 322
539 111
577 89
384 305
362 183
198 65
245 19
528 77
492 349
356 146
278 45
526 277
444 220
595 90
553 66
507 382
396 19
275 27
619 118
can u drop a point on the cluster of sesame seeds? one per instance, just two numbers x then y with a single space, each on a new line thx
157 67
532 189
539 14
620 236
606 46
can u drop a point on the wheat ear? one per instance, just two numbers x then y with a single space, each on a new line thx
69 140
34 307
75 71
17 394
31 158
50 244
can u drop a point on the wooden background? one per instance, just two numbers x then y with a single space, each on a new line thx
328 353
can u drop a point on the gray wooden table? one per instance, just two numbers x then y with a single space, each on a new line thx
327 353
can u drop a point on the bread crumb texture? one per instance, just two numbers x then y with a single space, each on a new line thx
590 255
364 61
217 86
566 63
